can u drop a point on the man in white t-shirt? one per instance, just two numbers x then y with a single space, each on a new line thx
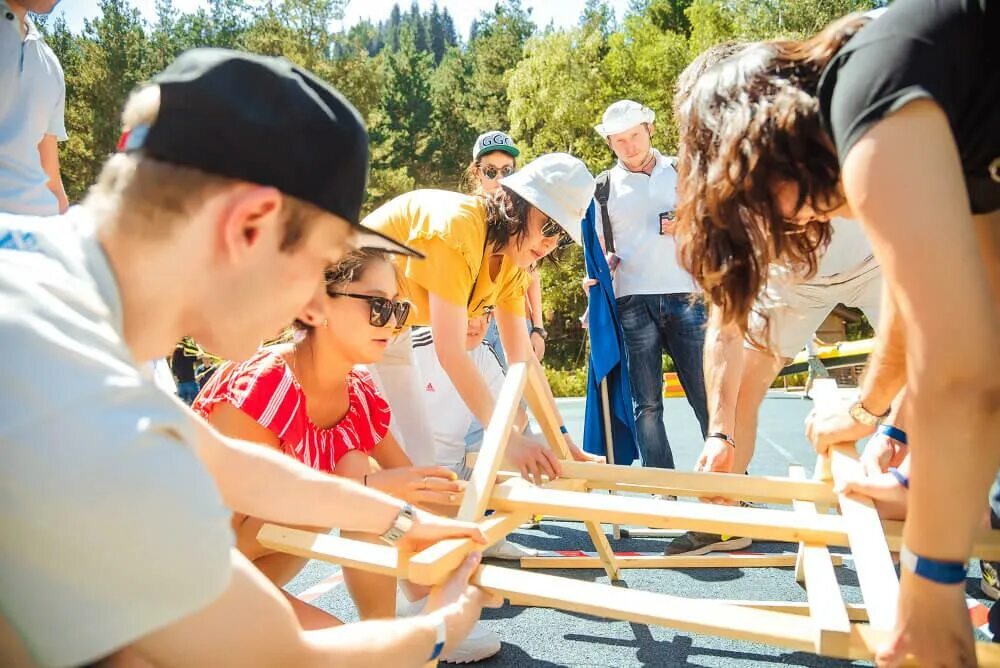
653 293
452 418
31 114
739 373
115 499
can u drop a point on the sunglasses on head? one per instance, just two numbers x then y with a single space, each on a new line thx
381 308
491 172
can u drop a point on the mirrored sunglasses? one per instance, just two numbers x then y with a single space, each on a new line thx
381 308
491 172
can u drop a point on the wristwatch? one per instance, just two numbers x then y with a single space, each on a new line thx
861 414
400 525
540 331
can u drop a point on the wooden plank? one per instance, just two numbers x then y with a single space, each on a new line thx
603 600
826 604
765 489
605 554
985 544
738 620
477 492
781 560
434 564
758 523
350 553
872 561
855 612
536 395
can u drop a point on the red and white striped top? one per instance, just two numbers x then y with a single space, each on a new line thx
264 388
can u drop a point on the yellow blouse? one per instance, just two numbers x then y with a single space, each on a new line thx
450 230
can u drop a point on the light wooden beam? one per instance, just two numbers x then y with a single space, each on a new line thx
760 523
477 492
826 604
782 560
536 395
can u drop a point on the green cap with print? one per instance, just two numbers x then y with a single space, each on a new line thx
494 140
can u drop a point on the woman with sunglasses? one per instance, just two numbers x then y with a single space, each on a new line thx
477 253
310 400
494 157
896 123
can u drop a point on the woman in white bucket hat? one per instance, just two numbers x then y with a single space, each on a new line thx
477 251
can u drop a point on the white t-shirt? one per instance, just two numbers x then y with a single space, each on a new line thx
848 251
648 259
451 417
32 101
111 526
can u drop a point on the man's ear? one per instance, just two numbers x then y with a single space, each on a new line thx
650 128
250 215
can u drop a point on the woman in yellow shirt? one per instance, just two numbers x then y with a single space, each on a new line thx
477 251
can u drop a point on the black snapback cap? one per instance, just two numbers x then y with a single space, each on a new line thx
264 120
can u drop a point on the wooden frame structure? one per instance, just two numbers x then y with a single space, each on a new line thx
824 625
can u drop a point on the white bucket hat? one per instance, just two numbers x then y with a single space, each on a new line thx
623 115
559 185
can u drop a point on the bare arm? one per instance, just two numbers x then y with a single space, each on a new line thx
251 624
723 361
886 374
911 200
449 323
535 299
264 483
48 153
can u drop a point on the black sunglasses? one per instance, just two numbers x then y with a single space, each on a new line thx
551 228
381 308
490 172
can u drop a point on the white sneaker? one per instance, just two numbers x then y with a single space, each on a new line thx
481 643
508 551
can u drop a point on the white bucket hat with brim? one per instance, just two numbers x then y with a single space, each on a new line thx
559 185
623 115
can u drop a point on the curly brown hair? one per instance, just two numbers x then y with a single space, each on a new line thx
751 122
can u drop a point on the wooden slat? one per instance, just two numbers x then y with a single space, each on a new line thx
537 397
985 544
872 561
759 523
855 611
606 555
783 560
764 489
351 553
434 564
477 492
826 604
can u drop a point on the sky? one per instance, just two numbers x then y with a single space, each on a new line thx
562 13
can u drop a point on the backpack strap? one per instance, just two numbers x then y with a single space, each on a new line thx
601 194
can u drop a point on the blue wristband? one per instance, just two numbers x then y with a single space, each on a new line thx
900 477
894 433
563 429
942 572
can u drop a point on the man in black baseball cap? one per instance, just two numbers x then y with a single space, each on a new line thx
239 179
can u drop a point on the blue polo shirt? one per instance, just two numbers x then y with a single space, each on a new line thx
32 99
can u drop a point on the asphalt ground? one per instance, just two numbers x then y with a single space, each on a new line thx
545 637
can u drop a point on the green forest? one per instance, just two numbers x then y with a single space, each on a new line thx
427 91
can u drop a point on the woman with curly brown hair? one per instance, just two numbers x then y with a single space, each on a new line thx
896 125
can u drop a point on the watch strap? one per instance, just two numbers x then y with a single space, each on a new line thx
442 637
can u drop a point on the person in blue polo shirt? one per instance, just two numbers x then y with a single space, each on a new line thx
31 114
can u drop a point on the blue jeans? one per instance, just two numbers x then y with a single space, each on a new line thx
654 324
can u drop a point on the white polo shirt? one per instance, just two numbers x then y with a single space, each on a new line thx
451 417
848 251
112 527
32 101
648 259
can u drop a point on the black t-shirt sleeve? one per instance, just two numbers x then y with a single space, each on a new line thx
879 79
